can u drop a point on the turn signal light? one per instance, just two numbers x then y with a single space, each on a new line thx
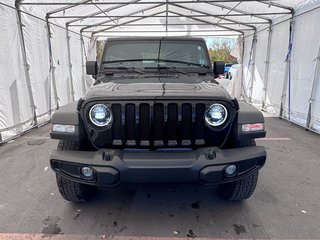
63 128
252 127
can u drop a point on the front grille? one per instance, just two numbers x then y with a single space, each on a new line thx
158 125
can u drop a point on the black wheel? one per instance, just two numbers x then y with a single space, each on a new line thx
243 188
239 190
69 190
75 192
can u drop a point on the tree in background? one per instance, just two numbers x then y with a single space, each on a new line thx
100 45
220 50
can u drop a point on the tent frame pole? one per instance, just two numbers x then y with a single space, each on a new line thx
286 88
252 62
138 3
70 63
25 62
211 15
52 67
84 86
267 67
242 96
313 90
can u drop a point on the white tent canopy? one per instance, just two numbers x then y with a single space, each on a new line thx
45 43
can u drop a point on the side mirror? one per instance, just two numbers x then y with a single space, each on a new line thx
92 68
218 68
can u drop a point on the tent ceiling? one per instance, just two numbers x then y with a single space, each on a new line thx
158 17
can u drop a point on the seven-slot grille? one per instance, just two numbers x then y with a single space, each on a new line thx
158 125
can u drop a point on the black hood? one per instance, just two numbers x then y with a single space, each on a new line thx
158 88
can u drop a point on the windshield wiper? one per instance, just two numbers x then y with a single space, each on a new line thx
125 68
127 60
183 62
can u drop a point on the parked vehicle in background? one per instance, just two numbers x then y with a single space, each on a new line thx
232 71
226 69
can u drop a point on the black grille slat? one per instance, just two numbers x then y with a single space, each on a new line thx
172 124
144 124
117 125
199 124
186 124
130 124
158 124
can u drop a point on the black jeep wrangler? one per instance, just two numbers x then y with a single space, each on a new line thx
155 114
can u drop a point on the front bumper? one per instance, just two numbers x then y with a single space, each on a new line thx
112 167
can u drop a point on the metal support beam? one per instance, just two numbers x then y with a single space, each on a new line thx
161 24
236 10
146 2
83 64
315 86
169 31
230 10
70 64
25 62
129 14
287 76
213 24
99 12
194 35
131 21
252 62
167 13
213 15
66 7
52 69
274 4
286 88
242 70
267 67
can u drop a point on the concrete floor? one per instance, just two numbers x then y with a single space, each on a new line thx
285 204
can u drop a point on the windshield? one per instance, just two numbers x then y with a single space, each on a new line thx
155 53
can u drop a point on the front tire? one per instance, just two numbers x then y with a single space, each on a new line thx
243 188
70 190
239 190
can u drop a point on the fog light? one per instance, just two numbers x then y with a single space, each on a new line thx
87 172
230 170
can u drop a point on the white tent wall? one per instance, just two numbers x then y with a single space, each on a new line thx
247 67
278 52
16 113
90 47
61 64
306 41
76 61
35 35
259 67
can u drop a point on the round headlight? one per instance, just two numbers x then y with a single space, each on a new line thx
100 115
216 115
